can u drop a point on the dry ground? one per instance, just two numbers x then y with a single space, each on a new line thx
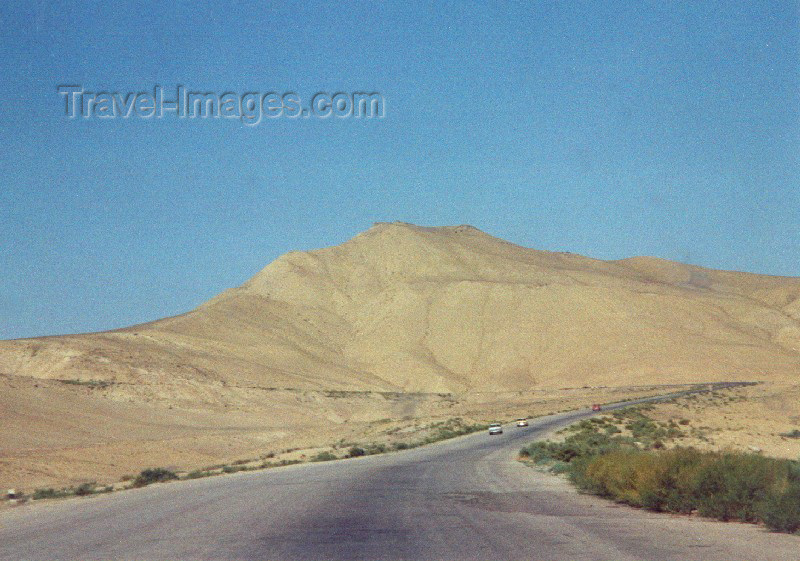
398 328
752 418
60 434
760 418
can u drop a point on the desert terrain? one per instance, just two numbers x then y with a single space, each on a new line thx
58 434
400 327
764 419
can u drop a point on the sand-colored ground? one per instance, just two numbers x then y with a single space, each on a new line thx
748 419
401 322
57 434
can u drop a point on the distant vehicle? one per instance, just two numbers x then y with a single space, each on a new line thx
596 407
495 428
522 422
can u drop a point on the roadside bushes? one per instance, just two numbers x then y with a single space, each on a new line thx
451 428
154 475
356 451
441 430
735 486
781 510
638 471
85 489
50 493
721 485
670 483
376 448
82 490
584 442
324 457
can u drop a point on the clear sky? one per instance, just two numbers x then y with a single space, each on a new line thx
610 129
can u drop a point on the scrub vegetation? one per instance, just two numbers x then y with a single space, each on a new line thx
624 457
434 432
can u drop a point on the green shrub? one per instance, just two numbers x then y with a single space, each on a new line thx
669 487
154 475
559 467
451 428
726 486
616 474
324 457
374 448
643 428
586 442
781 510
732 486
355 451
50 493
85 489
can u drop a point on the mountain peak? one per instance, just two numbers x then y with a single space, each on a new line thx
417 308
405 228
377 226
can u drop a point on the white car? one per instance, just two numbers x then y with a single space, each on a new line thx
495 428
522 422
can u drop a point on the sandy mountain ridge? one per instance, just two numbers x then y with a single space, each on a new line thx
399 328
452 309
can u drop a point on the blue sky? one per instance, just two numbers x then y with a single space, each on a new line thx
609 129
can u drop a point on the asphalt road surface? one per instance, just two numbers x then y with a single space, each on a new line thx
463 499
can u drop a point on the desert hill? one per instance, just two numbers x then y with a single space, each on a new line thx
393 331
451 309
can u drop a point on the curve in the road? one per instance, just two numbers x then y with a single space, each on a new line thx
463 499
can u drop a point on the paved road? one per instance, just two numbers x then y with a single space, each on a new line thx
463 499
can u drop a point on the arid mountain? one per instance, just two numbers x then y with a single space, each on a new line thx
397 329
452 309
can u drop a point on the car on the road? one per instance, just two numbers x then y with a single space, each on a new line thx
495 428
522 422
596 407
